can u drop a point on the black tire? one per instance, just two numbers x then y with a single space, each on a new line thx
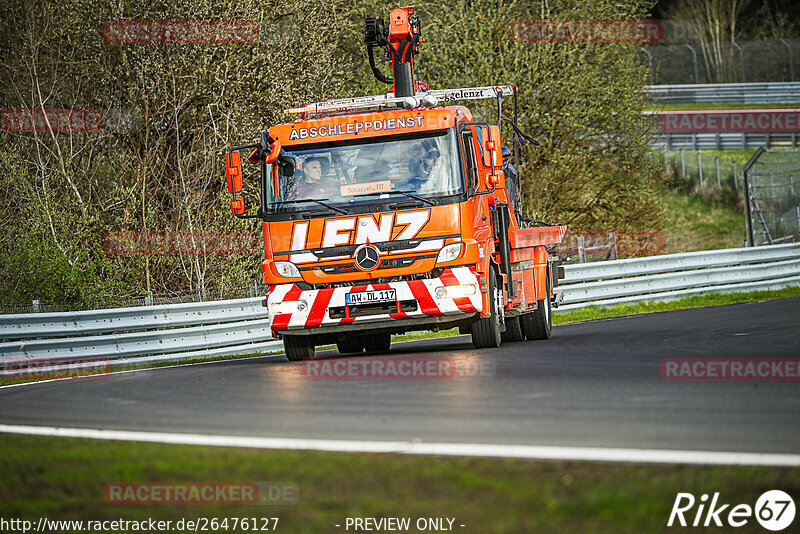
374 343
513 330
350 345
486 330
539 323
298 348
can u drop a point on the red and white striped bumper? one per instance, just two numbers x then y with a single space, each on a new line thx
415 299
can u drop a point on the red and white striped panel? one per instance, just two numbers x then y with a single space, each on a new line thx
318 301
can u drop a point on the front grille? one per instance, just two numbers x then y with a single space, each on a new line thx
378 308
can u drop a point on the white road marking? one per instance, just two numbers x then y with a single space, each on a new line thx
416 447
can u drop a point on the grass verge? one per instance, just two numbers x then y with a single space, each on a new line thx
698 223
65 478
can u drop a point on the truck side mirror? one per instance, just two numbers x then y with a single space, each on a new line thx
233 164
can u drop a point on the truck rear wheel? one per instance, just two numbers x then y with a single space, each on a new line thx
298 348
350 345
486 330
539 323
377 342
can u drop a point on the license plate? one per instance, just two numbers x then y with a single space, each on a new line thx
370 297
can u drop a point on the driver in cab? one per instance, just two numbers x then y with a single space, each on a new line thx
310 183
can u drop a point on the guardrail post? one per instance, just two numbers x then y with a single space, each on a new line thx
581 250
735 180
148 299
716 162
37 306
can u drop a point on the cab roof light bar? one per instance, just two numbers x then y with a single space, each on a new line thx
390 100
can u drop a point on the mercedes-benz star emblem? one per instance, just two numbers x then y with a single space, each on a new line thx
366 257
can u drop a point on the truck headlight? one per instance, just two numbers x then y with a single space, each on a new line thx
287 269
449 253
454 292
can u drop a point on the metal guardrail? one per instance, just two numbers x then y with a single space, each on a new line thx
51 342
725 141
720 93
674 276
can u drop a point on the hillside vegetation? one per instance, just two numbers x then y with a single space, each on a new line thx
170 111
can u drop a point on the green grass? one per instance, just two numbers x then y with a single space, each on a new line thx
64 479
699 223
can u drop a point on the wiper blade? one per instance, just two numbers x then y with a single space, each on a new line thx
316 200
409 194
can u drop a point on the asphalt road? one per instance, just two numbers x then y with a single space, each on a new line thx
595 384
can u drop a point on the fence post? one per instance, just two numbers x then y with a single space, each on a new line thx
581 250
613 236
696 71
683 164
650 63
741 56
771 186
746 194
791 62
700 169
253 288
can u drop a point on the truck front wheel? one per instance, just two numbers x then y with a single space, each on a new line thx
350 345
298 348
486 330
377 343
539 323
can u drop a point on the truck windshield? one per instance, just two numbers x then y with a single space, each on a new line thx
349 174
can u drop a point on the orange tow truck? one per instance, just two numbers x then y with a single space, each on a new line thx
392 213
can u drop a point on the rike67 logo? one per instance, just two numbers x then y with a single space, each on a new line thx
774 510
